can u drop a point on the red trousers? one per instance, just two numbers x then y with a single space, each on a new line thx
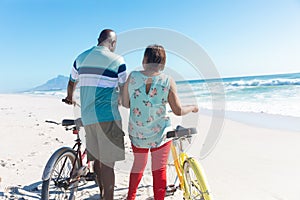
159 159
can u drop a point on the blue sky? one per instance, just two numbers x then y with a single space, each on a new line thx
40 39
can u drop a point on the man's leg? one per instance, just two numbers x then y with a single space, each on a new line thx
105 179
110 139
93 152
107 175
97 169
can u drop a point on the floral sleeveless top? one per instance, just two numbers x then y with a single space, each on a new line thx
148 118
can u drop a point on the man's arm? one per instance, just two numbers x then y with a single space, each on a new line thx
70 90
122 79
121 88
125 95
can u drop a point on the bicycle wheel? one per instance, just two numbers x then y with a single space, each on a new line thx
172 178
195 185
59 185
171 172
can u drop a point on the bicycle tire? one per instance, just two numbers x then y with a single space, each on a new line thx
50 190
172 178
195 184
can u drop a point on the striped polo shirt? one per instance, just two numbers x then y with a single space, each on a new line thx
99 72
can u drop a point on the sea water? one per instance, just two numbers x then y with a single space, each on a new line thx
270 94
246 99
270 101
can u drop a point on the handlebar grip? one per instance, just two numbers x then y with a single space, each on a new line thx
180 132
66 101
170 134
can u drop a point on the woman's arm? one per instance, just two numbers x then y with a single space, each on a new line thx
125 94
175 104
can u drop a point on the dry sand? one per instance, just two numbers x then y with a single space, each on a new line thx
247 163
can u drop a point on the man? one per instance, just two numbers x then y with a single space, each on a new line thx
101 75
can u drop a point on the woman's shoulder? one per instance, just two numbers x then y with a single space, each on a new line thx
165 77
136 78
135 73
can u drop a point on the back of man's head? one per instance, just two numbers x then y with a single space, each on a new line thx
108 38
106 35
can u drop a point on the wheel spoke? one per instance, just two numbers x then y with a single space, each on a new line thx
193 186
59 186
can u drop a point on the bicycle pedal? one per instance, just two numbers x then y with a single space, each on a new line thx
170 190
90 176
82 171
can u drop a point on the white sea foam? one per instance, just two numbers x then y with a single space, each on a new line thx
272 82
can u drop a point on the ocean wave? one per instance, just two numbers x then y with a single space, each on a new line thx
56 93
256 82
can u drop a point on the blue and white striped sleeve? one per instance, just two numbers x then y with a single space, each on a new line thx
74 73
122 74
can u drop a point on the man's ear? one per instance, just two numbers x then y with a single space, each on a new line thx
113 43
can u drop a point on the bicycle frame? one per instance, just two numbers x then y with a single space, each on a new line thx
79 155
57 153
179 161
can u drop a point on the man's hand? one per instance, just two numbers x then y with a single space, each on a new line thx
67 101
70 90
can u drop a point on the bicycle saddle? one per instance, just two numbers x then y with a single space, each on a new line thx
70 122
181 131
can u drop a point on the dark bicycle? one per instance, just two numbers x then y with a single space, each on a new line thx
65 171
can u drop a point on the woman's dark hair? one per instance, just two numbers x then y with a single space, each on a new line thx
155 56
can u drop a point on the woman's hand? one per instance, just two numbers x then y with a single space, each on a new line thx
195 109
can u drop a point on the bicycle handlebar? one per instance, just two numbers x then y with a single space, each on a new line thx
181 132
67 101
70 102
52 122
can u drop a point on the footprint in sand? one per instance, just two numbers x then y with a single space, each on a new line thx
32 154
3 163
41 134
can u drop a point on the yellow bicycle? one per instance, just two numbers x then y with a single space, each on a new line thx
185 171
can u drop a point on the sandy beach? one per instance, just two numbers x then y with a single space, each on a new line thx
249 162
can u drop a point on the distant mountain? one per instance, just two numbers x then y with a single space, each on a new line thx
58 83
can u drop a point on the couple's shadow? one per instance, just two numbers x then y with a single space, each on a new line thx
88 191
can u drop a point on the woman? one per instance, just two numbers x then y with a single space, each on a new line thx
146 93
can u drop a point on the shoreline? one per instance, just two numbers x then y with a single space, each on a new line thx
263 120
260 119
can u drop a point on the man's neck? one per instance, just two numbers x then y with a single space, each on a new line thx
103 45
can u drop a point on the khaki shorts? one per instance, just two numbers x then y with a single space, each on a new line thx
105 141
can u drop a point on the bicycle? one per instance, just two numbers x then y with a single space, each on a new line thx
184 169
65 171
